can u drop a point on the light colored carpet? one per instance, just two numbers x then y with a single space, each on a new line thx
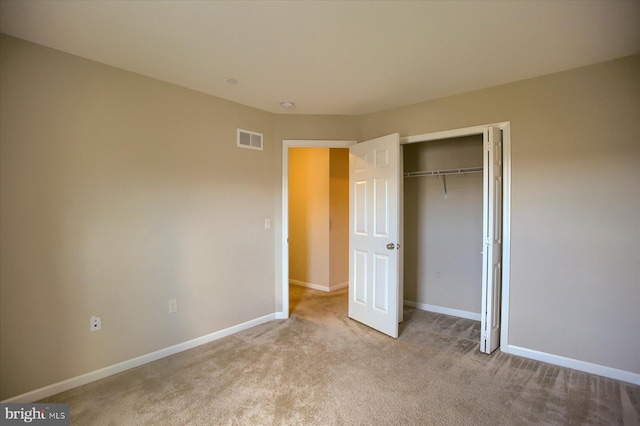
320 368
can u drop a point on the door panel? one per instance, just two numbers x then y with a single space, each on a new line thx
360 208
381 283
492 240
360 277
381 208
374 177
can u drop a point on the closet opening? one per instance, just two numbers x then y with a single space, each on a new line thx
454 218
443 206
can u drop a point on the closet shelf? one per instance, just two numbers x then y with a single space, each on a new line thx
444 172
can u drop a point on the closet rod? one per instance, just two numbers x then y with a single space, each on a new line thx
444 172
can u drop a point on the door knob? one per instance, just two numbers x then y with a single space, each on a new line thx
391 246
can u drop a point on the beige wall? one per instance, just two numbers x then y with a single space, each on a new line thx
575 245
309 240
118 193
443 235
319 216
339 216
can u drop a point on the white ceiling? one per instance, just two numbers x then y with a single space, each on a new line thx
332 57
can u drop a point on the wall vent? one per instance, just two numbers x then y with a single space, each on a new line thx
248 139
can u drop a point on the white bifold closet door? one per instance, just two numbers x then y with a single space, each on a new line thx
492 240
374 233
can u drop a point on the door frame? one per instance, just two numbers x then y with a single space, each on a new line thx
505 126
286 144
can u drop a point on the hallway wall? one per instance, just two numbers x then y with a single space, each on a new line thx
319 217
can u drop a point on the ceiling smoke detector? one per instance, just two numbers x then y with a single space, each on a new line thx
287 104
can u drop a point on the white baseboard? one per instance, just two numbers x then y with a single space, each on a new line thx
340 286
442 310
310 285
92 376
281 315
600 370
325 288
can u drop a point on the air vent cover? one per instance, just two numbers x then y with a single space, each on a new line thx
248 139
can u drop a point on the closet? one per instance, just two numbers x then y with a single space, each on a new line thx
443 225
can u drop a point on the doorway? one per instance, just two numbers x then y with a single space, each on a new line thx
319 218
443 203
496 226
286 146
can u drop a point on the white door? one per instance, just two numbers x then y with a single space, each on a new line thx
374 233
492 240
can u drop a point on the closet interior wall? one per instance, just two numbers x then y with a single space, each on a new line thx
443 233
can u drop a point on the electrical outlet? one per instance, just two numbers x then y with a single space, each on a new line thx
95 323
173 306
267 223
